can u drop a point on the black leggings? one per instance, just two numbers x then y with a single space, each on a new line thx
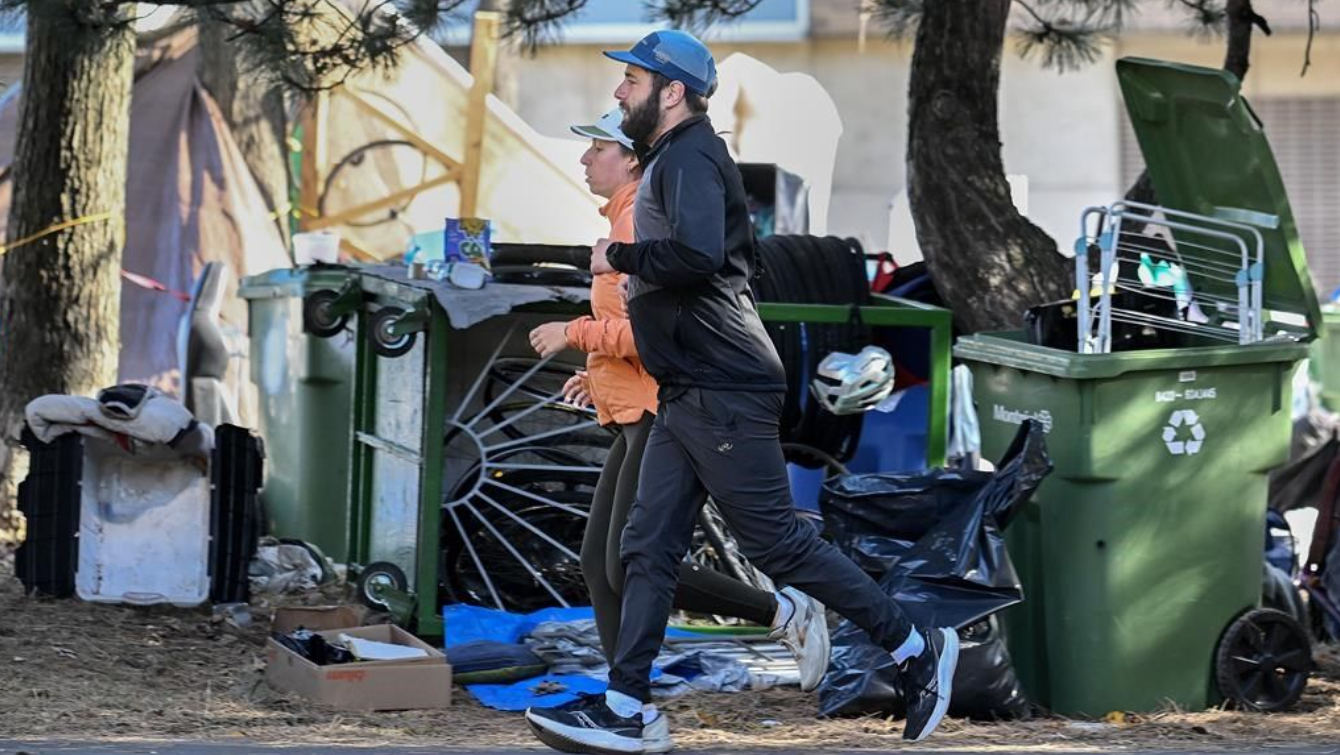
700 590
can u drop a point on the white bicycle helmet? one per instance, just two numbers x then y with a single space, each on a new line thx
853 383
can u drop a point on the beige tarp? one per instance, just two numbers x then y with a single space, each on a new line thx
787 119
531 185
190 200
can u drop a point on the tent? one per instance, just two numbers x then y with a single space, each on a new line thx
191 199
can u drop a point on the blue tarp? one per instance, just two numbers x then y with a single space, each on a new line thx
463 623
521 695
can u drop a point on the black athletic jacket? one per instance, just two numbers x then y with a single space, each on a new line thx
693 313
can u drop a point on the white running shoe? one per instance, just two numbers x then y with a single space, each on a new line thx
806 636
656 735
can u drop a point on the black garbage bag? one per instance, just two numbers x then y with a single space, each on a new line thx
985 685
1315 447
946 564
875 518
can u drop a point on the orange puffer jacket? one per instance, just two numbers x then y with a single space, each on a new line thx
619 385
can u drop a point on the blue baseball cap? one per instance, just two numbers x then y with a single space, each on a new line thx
676 55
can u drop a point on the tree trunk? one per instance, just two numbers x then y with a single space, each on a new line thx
989 263
1240 18
60 294
253 109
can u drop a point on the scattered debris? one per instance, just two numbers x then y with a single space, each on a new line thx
195 683
549 687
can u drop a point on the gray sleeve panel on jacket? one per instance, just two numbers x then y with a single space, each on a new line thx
693 194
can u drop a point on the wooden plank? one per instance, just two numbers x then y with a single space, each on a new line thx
483 61
390 200
314 157
404 131
357 252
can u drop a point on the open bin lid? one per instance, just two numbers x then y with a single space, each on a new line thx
1207 153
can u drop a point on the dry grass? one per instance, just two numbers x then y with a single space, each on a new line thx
77 670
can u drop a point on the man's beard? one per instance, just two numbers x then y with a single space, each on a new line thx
640 122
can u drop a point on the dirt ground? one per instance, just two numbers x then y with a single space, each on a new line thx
75 670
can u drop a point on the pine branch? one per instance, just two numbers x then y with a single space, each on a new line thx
314 45
700 14
1206 15
898 17
539 21
1093 12
432 17
1068 43
1066 34
1313 25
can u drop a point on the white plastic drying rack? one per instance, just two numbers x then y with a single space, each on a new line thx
1212 254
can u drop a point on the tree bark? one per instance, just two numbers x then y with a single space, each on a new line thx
988 262
1240 18
253 109
60 294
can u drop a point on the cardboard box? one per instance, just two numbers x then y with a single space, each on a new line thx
407 684
317 618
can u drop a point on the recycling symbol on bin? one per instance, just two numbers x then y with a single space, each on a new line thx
1184 435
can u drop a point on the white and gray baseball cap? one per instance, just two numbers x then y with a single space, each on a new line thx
609 128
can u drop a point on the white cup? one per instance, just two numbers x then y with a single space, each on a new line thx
316 246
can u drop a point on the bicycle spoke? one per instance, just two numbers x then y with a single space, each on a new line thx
538 406
529 567
532 528
465 538
509 390
541 436
543 467
483 375
538 498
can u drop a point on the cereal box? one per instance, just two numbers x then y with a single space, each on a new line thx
467 240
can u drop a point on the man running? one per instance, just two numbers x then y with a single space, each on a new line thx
722 387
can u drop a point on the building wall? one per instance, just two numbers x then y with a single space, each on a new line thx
1063 131
11 70
1041 114
564 85
1300 115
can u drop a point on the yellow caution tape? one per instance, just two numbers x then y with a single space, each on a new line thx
57 228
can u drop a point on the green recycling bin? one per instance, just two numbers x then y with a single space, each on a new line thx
304 385
1144 545
1141 556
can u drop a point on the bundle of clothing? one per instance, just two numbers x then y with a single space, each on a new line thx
129 415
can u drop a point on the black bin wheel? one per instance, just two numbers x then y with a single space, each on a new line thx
383 341
316 316
376 576
1263 661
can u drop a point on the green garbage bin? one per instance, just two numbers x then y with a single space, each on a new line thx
469 481
1325 356
1139 551
304 384
1145 544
